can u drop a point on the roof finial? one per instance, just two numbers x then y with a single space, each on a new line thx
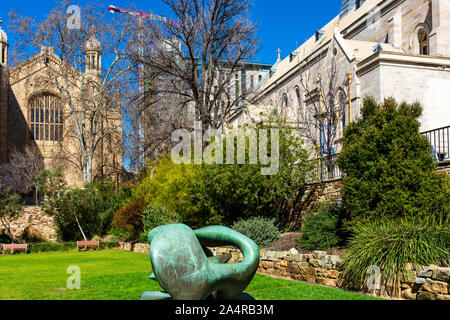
1 22
279 54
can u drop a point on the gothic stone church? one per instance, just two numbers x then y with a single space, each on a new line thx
379 48
32 112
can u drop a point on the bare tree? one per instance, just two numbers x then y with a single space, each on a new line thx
323 119
92 93
149 126
191 62
18 175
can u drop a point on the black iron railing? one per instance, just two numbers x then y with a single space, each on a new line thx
326 168
440 143
329 169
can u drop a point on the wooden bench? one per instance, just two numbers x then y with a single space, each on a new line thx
14 246
87 244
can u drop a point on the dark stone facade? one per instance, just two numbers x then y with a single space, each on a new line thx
4 86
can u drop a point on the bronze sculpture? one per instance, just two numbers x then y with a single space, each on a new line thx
181 265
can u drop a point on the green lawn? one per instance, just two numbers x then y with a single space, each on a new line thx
114 274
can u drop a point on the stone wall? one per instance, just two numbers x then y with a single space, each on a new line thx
423 283
135 247
432 283
314 195
317 267
38 220
427 283
444 167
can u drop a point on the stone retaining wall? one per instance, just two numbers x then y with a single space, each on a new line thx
444 167
32 216
318 267
423 283
313 196
427 283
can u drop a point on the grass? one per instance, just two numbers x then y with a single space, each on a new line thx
120 275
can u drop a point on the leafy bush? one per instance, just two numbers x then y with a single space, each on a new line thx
170 186
52 247
4 237
391 245
156 216
93 206
111 238
119 233
143 237
388 168
108 244
261 230
210 194
111 198
10 207
64 246
129 218
320 230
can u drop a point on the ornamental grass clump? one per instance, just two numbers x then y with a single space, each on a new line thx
391 245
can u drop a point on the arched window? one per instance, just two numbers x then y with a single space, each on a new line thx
419 42
359 3
46 118
284 102
423 42
298 97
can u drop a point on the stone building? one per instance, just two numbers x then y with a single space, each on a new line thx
379 48
33 111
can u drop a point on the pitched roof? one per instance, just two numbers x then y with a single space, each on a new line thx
311 45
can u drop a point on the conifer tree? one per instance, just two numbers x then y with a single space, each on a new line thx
388 166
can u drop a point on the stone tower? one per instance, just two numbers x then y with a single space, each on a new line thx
93 53
4 85
3 46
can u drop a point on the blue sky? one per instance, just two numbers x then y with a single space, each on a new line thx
282 24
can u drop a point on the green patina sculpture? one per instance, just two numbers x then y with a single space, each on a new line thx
186 269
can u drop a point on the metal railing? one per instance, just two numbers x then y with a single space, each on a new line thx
440 143
326 168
